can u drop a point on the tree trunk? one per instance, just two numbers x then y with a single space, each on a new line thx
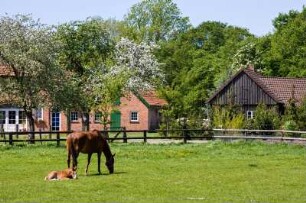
85 121
68 120
31 125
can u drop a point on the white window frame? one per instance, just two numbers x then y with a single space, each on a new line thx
22 120
134 116
250 115
74 116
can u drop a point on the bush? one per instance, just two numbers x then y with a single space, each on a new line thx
266 118
228 118
290 125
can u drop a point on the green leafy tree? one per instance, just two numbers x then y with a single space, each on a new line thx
284 50
155 20
196 61
85 46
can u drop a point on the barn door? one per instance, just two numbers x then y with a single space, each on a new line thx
115 120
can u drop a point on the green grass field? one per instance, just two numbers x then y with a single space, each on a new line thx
211 172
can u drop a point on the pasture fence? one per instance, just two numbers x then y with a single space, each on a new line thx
184 135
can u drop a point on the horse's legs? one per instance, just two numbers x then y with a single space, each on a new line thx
99 161
88 162
69 159
75 161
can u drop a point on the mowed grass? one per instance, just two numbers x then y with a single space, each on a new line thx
211 172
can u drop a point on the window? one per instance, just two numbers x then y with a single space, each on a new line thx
74 116
134 116
55 121
12 117
98 117
250 115
2 117
39 113
22 117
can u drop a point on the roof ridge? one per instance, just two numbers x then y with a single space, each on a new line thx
283 78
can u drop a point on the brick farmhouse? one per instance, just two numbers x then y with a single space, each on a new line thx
136 111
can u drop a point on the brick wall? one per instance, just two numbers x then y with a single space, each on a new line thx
133 104
127 105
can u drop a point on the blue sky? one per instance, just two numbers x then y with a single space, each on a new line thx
255 15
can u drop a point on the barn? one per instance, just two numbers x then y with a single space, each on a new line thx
248 88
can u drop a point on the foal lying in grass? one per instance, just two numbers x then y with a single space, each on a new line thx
62 175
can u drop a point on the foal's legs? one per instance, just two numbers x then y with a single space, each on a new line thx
88 162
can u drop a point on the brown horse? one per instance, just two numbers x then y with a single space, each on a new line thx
89 143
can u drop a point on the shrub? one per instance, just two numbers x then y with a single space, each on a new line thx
290 125
266 118
228 118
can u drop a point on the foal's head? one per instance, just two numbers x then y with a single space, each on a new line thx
110 163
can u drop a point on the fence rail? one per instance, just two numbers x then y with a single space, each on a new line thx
177 134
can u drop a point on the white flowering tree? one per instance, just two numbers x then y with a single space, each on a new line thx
135 68
28 50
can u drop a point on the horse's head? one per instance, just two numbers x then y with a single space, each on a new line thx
110 164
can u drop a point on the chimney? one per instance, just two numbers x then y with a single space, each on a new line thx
251 67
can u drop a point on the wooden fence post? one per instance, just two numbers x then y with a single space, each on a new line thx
58 139
124 135
40 135
185 136
145 136
11 138
17 130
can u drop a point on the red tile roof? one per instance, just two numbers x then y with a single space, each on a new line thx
152 99
281 89
286 88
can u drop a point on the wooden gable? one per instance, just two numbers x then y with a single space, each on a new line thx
243 89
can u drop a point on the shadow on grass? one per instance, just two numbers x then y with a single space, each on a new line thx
103 174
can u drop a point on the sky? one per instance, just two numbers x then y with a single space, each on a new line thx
254 15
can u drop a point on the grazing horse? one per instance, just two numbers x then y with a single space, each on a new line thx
89 143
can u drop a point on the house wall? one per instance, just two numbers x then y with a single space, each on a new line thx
45 123
133 104
148 117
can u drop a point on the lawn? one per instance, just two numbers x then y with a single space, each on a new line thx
212 172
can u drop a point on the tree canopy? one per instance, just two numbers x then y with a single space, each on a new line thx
155 20
97 60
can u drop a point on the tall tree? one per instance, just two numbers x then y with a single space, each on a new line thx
195 63
85 46
155 20
28 50
284 51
